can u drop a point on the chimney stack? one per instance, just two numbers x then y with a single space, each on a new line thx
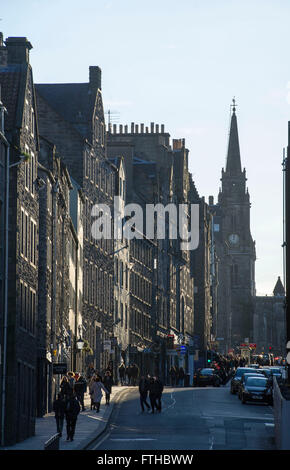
18 50
3 52
95 74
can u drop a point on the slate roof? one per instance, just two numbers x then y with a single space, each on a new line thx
72 101
10 81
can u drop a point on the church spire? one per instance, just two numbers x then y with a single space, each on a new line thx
233 156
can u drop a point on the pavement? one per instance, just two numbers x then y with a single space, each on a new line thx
89 426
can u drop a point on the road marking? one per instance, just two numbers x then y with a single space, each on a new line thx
135 439
270 424
237 417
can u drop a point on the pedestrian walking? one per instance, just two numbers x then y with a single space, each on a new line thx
159 389
135 373
71 414
153 393
172 374
129 374
59 407
143 390
90 371
80 389
181 376
71 380
96 388
122 371
65 388
108 383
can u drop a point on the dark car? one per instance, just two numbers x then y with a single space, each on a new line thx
205 377
237 377
274 372
244 379
257 389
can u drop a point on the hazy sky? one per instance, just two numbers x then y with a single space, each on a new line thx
180 64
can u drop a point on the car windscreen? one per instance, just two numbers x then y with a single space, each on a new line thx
241 372
246 376
206 372
256 382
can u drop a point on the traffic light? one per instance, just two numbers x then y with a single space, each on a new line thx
208 357
270 348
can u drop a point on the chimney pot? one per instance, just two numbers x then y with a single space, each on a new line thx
152 127
162 128
132 127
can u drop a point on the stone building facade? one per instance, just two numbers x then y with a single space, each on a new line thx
71 116
60 268
156 173
18 97
270 322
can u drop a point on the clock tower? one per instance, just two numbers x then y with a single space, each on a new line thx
235 249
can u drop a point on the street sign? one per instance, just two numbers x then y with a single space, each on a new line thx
59 368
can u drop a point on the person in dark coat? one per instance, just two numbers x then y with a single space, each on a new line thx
122 370
129 374
65 388
181 376
80 389
135 373
143 390
71 414
159 394
172 373
108 383
154 391
59 406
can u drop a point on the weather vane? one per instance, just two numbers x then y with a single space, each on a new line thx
234 105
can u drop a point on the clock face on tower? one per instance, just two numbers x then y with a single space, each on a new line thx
234 239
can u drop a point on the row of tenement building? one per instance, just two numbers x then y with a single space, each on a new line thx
145 300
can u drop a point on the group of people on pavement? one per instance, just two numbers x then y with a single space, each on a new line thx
69 401
153 386
177 376
129 374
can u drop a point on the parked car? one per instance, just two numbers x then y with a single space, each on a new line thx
205 377
278 373
254 366
244 379
257 389
237 377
